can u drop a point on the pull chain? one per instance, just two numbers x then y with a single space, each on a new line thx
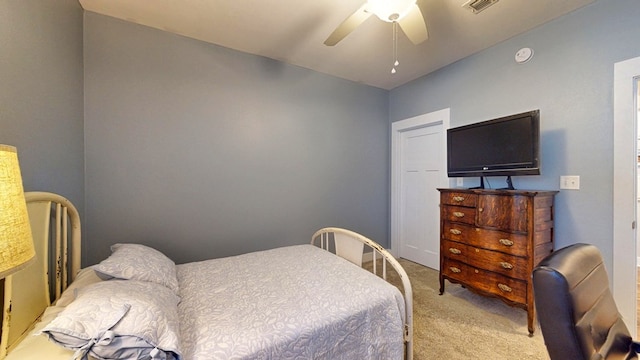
395 47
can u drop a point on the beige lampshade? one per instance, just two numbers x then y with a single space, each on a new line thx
16 241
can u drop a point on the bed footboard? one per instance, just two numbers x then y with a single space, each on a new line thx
352 246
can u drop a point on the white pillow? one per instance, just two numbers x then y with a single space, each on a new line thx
120 319
85 277
139 262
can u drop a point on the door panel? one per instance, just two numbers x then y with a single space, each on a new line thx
418 169
420 173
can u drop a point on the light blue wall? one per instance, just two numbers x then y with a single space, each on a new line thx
203 152
570 79
41 79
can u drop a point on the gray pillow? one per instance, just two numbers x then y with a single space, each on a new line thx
120 319
139 262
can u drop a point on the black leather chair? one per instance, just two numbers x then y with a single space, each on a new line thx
577 314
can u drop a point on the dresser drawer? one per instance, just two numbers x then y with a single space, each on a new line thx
512 266
454 269
459 198
506 287
508 243
459 214
454 250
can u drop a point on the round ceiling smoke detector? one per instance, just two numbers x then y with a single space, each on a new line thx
523 55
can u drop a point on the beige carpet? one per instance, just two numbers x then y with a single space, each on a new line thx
462 325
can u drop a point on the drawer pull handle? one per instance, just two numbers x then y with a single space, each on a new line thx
455 231
458 198
455 270
455 251
506 242
458 214
506 265
504 288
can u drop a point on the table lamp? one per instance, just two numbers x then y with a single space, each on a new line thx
16 241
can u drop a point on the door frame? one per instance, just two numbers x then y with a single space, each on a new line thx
625 146
440 117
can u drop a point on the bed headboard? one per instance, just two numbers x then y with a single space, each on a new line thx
55 225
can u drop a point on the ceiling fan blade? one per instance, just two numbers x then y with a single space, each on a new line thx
413 26
348 26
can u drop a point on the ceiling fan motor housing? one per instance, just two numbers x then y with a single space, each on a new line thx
390 11
403 13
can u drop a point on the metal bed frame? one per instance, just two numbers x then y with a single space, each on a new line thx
353 246
55 225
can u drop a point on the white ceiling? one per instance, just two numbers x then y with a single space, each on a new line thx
293 31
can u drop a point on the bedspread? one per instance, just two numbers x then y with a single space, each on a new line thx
296 302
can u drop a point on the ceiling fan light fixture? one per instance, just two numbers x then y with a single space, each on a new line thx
390 10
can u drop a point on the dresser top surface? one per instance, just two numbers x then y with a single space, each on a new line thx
499 191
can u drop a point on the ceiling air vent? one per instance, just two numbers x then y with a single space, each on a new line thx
478 5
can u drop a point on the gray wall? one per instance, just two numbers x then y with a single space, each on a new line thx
41 105
570 79
201 151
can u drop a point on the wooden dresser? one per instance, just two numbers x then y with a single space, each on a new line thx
490 241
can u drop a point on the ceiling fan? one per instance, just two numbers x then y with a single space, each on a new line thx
405 13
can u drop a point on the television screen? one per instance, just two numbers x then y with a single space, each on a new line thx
507 146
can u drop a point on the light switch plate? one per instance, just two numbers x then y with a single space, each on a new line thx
570 182
459 182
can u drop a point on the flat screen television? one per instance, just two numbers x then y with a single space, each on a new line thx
506 146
